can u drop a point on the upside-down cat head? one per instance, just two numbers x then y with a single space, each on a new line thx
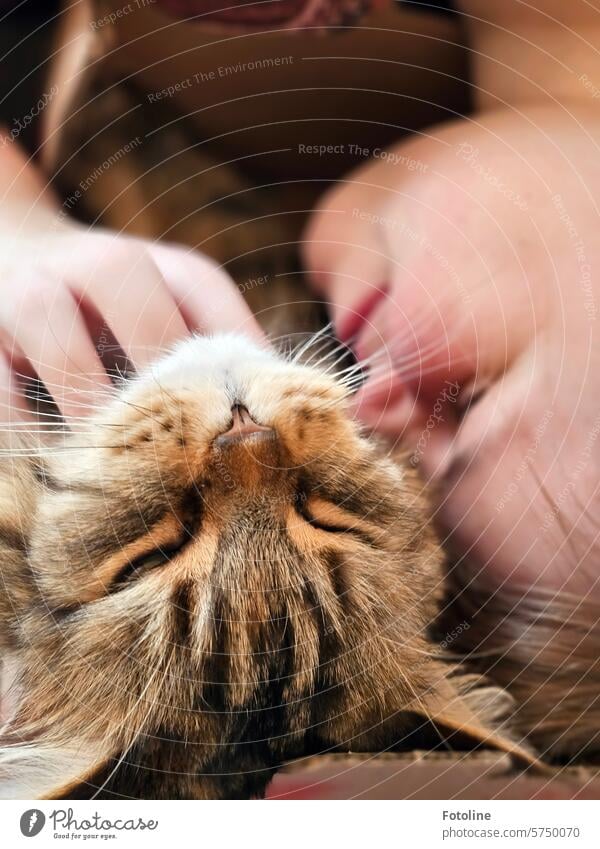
217 574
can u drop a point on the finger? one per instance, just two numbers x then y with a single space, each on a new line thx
427 434
382 288
408 328
124 284
343 233
351 301
415 370
346 261
387 408
13 407
208 298
52 336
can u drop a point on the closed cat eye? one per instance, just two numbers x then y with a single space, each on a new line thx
314 522
329 518
139 566
189 518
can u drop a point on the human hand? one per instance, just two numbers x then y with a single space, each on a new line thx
68 295
469 281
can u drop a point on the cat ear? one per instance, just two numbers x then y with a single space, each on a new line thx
467 706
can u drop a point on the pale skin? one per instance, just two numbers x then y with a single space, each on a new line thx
486 252
57 273
488 255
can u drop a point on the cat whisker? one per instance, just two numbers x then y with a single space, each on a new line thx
323 343
362 373
372 375
96 390
373 359
342 350
52 449
326 329
148 413
165 392
312 362
81 405
402 368
395 346
89 377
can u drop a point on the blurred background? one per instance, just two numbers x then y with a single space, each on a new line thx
27 28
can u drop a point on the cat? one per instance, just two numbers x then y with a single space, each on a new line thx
200 180
213 574
218 572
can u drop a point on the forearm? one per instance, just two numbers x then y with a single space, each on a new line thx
543 51
25 198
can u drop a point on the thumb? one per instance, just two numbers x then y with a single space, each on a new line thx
423 294
344 255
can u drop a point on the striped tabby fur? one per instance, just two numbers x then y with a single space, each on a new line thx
181 613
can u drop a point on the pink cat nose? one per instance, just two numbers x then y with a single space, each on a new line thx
243 427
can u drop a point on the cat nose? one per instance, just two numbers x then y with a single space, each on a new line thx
243 427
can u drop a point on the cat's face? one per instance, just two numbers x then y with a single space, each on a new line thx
227 575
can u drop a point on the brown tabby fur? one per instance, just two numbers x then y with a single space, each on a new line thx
290 616
293 613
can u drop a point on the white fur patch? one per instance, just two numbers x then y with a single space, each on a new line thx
32 772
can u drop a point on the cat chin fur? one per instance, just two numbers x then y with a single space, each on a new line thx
222 357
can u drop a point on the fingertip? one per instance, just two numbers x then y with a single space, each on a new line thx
438 452
386 412
351 316
75 406
207 297
13 406
251 328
